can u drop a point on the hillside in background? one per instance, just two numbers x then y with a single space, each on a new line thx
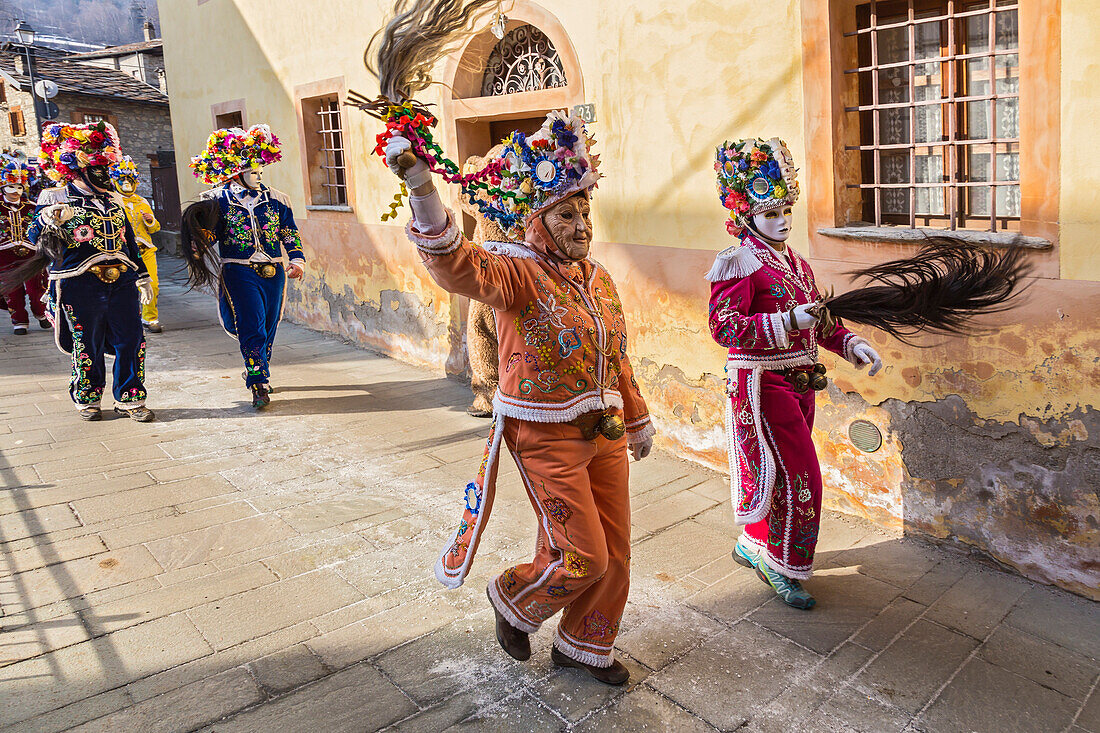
99 22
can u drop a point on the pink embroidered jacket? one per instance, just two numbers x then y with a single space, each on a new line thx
560 327
751 287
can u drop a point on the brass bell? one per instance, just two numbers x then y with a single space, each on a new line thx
267 271
819 382
111 274
612 426
802 381
819 368
20 251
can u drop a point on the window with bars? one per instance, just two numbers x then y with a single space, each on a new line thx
938 113
327 167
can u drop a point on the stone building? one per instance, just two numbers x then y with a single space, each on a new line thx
88 93
905 117
143 60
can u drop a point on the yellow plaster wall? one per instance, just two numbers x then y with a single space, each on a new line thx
669 83
1080 203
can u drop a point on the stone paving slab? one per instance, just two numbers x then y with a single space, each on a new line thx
224 570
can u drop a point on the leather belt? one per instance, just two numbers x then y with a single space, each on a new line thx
21 251
108 273
600 422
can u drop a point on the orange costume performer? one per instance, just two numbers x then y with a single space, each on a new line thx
567 405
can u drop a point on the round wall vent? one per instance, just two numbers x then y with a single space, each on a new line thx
865 435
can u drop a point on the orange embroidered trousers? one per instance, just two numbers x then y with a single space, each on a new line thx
580 492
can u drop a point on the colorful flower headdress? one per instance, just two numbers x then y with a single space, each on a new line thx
230 151
125 168
535 172
66 149
15 174
753 177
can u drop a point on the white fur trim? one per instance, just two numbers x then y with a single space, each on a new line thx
734 262
645 433
779 329
444 243
502 608
458 577
580 655
850 342
559 412
53 196
510 249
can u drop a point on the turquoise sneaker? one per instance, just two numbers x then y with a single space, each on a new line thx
746 556
788 589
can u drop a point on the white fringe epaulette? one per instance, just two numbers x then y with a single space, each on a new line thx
509 249
279 196
732 263
51 196
210 193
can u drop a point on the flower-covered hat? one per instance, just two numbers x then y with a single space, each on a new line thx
230 151
125 168
753 177
532 173
66 149
15 173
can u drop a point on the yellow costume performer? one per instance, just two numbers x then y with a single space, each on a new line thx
145 225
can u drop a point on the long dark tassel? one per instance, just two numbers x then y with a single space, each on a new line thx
200 248
938 290
402 53
51 247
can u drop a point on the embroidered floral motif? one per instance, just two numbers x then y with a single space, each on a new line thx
558 509
597 626
557 591
539 611
508 579
576 565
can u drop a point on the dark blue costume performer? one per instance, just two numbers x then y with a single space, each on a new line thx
97 280
257 246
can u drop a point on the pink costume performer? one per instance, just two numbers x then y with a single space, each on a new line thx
763 307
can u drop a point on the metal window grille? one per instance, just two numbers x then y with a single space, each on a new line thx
525 60
334 191
938 113
91 119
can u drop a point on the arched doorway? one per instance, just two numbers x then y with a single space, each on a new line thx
497 86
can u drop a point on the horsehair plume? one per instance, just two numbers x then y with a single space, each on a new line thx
417 36
938 290
51 248
197 226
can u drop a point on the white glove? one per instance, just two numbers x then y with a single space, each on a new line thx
416 176
58 214
800 317
145 292
867 355
642 449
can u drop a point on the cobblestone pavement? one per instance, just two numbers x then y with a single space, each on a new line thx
231 571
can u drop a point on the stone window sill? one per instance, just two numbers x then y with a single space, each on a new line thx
318 207
916 236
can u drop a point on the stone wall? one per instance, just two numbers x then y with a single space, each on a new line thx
143 129
16 99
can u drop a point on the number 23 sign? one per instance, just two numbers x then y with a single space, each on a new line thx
587 112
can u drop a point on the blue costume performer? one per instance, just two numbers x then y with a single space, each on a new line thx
257 244
97 280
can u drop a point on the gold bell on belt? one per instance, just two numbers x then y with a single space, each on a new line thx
612 426
108 273
265 269
20 251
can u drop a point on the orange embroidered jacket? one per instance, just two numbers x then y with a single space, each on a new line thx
560 327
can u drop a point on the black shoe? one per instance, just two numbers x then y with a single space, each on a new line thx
616 674
260 396
20 330
478 412
44 324
153 327
515 643
90 413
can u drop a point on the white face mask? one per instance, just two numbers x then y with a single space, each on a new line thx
13 193
251 178
774 225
